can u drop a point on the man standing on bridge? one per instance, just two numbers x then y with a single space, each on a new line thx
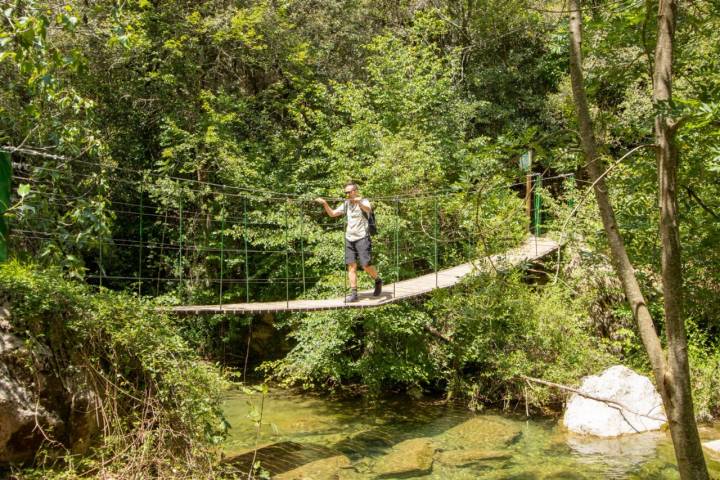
358 245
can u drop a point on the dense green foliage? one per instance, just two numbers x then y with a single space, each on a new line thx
186 141
476 342
157 404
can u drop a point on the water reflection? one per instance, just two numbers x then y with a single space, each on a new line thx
618 455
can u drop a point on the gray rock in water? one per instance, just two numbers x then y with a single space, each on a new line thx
462 458
641 408
486 430
323 469
409 458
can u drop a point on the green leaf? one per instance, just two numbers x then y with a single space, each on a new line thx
23 190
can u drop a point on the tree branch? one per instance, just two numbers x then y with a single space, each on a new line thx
702 204
609 402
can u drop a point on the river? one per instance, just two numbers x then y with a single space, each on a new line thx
298 429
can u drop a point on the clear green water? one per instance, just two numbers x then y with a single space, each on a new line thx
301 429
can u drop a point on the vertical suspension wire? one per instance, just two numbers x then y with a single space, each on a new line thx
181 240
537 204
302 247
100 262
287 254
101 273
162 251
397 248
345 266
140 255
473 231
247 267
222 249
435 243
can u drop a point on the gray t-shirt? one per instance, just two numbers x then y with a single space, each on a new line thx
357 224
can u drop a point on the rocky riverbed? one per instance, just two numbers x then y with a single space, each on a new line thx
308 437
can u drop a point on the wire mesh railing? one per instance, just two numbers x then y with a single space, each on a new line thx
154 234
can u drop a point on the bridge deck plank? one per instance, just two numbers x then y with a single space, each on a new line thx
532 249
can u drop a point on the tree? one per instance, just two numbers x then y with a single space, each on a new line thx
670 368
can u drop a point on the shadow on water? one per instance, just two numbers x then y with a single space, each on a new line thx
363 440
279 457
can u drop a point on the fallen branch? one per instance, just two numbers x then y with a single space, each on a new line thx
611 403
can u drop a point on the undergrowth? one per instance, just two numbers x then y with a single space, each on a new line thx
157 405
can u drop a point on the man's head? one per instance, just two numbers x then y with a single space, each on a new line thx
351 190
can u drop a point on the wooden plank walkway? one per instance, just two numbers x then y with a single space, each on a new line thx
533 249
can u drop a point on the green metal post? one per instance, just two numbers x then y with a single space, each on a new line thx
247 271
397 247
5 185
435 235
302 248
537 205
222 250
140 259
180 252
287 254
473 231
345 268
101 272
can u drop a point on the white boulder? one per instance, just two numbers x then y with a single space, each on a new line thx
631 405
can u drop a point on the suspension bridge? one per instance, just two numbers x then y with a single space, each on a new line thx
253 250
532 249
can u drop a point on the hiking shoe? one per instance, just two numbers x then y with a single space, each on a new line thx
378 287
353 297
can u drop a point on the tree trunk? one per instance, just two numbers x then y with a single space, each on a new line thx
672 376
619 256
688 449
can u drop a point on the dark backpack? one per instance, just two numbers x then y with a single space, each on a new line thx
372 224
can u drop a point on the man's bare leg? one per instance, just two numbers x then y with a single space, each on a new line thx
352 274
370 270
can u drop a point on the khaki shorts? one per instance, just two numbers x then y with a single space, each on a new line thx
359 251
